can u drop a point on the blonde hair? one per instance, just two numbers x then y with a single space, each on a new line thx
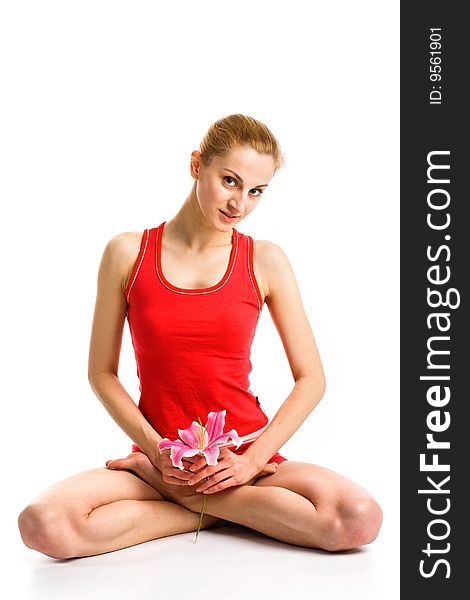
239 129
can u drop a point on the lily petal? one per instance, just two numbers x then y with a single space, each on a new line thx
166 443
211 455
224 437
190 435
177 453
215 423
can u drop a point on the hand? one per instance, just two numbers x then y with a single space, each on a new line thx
232 470
174 475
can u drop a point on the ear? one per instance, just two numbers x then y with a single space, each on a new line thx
195 164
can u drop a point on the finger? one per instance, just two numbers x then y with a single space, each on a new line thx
169 468
199 463
197 466
175 481
213 480
202 474
187 464
212 486
180 474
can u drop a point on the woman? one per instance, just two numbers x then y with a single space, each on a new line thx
192 290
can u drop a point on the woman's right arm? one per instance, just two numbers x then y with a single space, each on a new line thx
105 344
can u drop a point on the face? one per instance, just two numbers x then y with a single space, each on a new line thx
231 186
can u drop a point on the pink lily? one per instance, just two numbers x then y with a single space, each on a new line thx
197 439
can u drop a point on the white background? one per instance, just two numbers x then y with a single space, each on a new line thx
101 106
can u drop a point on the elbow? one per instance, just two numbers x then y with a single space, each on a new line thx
92 381
100 384
92 376
97 372
320 380
316 387
320 387
95 379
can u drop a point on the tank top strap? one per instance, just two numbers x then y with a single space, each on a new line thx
251 270
244 271
142 264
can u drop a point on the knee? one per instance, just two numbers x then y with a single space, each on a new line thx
47 529
354 525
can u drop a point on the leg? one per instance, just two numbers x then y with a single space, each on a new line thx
100 511
301 504
341 515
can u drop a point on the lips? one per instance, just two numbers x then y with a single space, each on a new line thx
230 216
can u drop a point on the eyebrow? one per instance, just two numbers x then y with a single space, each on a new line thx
238 177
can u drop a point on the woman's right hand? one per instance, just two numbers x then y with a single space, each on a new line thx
171 474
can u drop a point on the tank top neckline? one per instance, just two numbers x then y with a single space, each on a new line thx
212 288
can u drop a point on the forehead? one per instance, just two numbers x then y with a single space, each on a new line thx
247 162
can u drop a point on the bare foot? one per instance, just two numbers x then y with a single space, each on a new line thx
137 463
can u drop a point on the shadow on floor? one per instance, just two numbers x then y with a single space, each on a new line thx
226 562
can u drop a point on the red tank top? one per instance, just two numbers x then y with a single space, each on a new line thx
192 346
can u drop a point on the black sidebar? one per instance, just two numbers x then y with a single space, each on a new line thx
435 258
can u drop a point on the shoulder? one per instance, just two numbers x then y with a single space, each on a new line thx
119 256
124 244
272 267
269 252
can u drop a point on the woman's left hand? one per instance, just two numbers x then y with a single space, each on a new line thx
231 470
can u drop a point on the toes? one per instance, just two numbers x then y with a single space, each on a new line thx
119 463
135 460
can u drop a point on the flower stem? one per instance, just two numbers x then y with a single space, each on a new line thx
200 520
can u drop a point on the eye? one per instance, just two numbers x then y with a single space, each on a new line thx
227 177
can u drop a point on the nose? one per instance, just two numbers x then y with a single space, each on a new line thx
237 202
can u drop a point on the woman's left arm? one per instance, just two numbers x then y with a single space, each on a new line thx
283 300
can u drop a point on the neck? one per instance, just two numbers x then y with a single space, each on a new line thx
190 228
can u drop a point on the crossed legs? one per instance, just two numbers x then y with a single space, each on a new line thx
301 503
100 511
103 510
